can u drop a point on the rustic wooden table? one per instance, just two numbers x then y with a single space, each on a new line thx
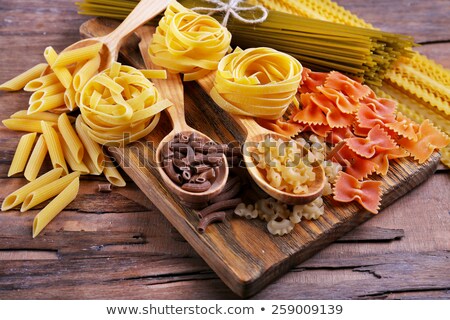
118 246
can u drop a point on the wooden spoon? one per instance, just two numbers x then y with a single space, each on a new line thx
144 11
256 133
172 89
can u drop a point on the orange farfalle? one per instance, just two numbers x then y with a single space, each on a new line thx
310 112
429 138
353 89
339 134
344 104
366 193
335 118
311 80
288 129
381 106
377 140
319 129
353 164
404 127
367 118
381 160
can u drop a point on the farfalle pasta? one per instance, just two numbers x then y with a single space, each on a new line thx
257 82
189 43
120 105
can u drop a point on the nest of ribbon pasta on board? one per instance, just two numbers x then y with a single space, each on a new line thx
342 123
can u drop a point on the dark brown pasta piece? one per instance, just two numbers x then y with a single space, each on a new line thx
219 206
196 187
186 175
228 194
208 175
170 171
104 187
218 216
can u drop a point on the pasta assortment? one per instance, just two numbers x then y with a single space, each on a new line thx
257 82
189 43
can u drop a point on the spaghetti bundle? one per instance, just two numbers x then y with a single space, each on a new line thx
359 52
188 42
258 82
120 105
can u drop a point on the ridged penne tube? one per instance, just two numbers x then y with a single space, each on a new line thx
62 73
73 164
36 159
48 191
112 174
22 79
27 125
69 98
22 153
91 147
70 137
55 206
46 116
47 103
47 91
69 57
41 82
86 72
54 147
20 194
92 168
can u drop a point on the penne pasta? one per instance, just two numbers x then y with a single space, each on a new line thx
73 164
55 206
22 153
27 125
69 57
71 138
112 174
48 191
20 194
86 72
69 98
62 73
54 147
91 147
91 166
41 82
47 91
47 103
22 79
36 159
46 116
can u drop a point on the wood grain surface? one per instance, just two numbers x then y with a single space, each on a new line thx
118 245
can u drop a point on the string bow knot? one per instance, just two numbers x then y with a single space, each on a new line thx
232 8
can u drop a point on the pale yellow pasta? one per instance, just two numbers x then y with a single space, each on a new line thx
27 125
311 211
20 194
36 159
114 177
55 206
285 166
48 191
54 147
188 42
154 74
70 98
62 73
86 72
50 90
22 79
47 103
46 116
71 161
69 57
71 138
92 168
280 226
22 153
119 106
256 82
92 148
42 82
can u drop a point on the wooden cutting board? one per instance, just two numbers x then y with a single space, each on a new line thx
242 252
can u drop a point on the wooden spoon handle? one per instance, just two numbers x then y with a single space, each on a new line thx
144 11
171 88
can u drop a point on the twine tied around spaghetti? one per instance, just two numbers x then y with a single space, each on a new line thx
233 8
